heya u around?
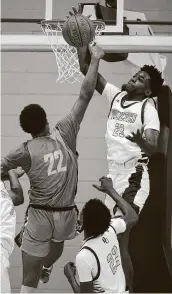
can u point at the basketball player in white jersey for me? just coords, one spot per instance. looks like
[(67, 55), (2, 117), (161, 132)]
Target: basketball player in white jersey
[(132, 136), (98, 262), (8, 222)]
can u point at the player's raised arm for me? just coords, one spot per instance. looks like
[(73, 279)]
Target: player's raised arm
[(84, 57), (89, 83), (84, 61), (130, 217)]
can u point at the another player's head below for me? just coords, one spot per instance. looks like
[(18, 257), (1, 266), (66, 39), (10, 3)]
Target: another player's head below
[(145, 83), (33, 120), (96, 218)]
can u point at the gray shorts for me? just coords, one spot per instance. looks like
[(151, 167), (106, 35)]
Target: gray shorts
[(43, 226)]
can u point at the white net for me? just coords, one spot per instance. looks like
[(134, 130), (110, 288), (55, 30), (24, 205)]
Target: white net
[(66, 55)]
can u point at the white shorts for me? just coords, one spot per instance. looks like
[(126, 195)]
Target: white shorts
[(132, 183), (5, 281)]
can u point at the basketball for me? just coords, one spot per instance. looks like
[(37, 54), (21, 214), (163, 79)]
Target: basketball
[(78, 30)]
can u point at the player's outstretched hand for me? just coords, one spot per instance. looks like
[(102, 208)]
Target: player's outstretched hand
[(96, 51), (135, 137), (70, 270), (106, 184), (76, 11), (19, 172)]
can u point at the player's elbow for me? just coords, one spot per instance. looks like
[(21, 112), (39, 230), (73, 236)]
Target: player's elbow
[(153, 149), (17, 197), (132, 219)]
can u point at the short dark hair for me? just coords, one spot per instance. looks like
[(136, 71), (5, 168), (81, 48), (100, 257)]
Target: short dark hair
[(96, 218), (33, 119), (156, 79)]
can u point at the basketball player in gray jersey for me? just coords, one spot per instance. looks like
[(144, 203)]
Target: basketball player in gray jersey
[(50, 161)]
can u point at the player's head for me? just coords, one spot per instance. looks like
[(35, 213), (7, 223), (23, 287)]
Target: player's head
[(33, 120), (145, 83), (96, 218)]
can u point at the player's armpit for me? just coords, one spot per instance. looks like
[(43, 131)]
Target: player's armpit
[(69, 128)]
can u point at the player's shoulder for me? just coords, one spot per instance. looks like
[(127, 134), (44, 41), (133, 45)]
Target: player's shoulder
[(150, 108), (118, 224), (82, 255), (22, 148), (85, 256), (150, 103)]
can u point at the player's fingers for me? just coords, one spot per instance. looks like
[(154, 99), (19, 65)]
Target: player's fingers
[(97, 187), (91, 46), (72, 264), (79, 8), (89, 15), (102, 178), (74, 10), (70, 12), (129, 138)]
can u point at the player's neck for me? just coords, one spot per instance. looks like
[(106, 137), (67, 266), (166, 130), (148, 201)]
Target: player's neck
[(87, 237), (134, 97), (42, 134)]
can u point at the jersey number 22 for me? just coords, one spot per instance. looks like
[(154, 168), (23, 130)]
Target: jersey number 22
[(51, 158)]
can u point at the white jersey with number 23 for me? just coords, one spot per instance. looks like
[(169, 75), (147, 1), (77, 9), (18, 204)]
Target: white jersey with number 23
[(125, 118)]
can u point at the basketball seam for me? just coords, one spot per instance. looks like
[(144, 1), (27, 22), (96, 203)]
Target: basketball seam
[(90, 29), (68, 31), (79, 32)]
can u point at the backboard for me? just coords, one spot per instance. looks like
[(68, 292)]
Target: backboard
[(21, 26)]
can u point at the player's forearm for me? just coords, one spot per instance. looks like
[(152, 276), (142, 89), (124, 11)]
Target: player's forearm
[(16, 188), (147, 148), (84, 61), (89, 83), (75, 286), (126, 208)]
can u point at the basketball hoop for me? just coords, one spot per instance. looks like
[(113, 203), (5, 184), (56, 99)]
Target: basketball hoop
[(66, 55)]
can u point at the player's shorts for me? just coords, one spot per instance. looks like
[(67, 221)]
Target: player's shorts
[(44, 226), (131, 181)]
